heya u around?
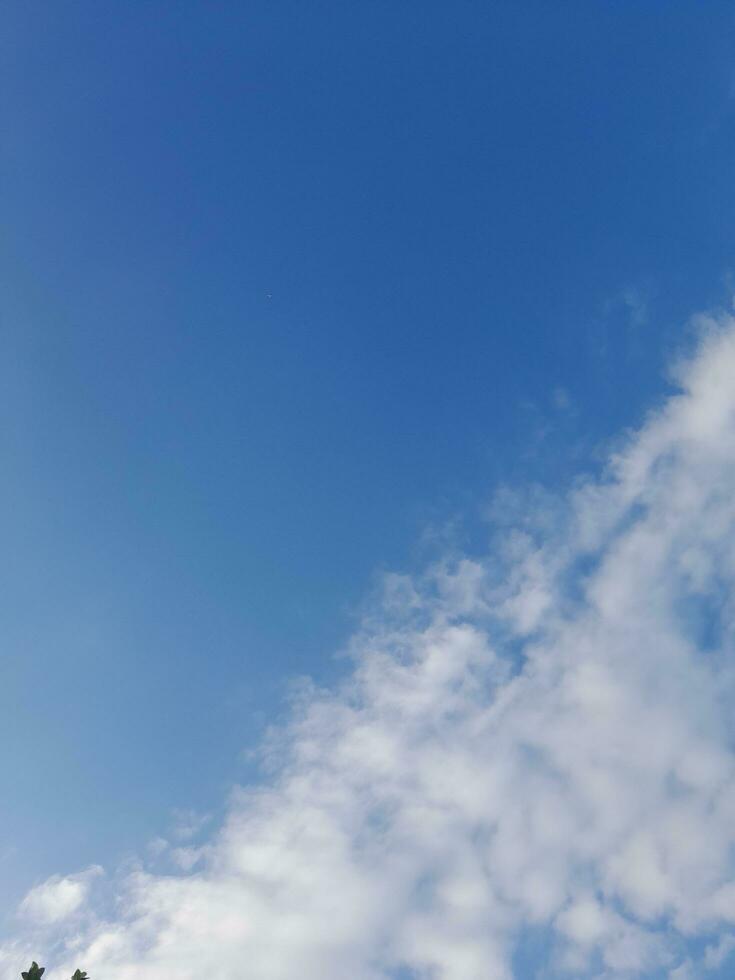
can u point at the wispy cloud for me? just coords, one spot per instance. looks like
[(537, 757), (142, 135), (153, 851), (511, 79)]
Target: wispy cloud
[(634, 301), (540, 738)]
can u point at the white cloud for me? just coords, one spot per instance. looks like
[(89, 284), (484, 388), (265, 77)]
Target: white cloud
[(188, 824), (542, 737), (716, 954), (57, 898)]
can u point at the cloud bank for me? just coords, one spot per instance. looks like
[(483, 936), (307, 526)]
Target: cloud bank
[(532, 758)]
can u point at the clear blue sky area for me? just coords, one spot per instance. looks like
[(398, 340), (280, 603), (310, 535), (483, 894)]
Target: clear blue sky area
[(283, 284)]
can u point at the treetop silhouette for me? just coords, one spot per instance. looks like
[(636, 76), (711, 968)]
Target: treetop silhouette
[(36, 972)]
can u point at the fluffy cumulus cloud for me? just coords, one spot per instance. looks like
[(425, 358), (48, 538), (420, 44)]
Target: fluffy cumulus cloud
[(58, 898), (532, 752)]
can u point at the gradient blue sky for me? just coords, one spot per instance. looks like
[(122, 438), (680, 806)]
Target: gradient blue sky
[(284, 285)]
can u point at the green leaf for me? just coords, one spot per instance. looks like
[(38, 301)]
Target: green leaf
[(35, 972), (80, 975)]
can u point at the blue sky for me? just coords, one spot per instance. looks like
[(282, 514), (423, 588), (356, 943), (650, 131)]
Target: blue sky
[(288, 290)]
